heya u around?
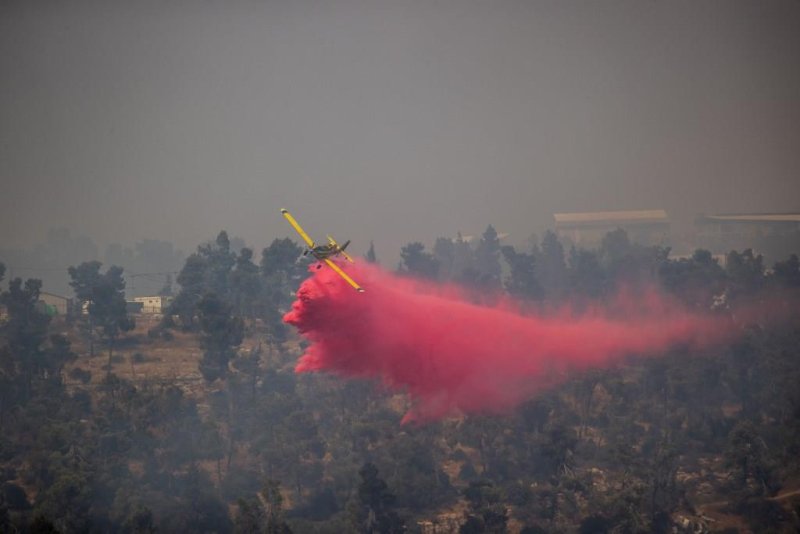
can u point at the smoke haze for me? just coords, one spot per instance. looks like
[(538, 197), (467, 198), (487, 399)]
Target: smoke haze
[(391, 121)]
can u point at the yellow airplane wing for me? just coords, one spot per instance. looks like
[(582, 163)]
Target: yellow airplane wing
[(344, 275), (296, 226)]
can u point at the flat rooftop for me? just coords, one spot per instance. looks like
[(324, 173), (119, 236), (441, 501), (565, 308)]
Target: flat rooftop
[(631, 216), (754, 217)]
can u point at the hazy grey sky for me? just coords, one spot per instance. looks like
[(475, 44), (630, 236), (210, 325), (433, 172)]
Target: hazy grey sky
[(389, 120)]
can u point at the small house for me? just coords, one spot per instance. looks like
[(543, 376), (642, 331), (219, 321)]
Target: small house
[(646, 227), (156, 304)]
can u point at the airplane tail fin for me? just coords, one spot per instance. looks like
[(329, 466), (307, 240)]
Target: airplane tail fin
[(345, 254)]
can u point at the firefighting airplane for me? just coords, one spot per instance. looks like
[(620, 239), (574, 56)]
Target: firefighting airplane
[(324, 253)]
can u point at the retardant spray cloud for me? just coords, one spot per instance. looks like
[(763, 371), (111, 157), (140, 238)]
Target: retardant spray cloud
[(452, 356)]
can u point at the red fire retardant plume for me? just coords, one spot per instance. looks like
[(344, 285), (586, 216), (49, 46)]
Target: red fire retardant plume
[(452, 356)]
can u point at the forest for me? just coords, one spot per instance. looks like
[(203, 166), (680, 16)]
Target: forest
[(689, 441)]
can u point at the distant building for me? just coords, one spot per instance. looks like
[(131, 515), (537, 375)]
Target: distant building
[(774, 234), (646, 227), (157, 304), (746, 226), (54, 304), (133, 306)]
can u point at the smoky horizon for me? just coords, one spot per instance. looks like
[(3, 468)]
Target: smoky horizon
[(388, 122)]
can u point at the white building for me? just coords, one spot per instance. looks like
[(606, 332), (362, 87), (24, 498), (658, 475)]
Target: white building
[(646, 227), (157, 304)]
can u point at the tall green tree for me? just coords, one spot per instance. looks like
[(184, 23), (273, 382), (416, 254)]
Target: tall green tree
[(695, 280), (104, 295), (416, 261), (282, 273), (24, 332), (552, 267), (629, 263), (586, 276), (273, 500), (209, 270), (746, 453), (246, 284), (371, 257), (463, 259), (487, 258), (219, 260), (522, 282), (249, 518), (487, 513), (192, 280), (786, 273), (444, 251), (376, 501), (222, 334), (745, 272), (84, 278)]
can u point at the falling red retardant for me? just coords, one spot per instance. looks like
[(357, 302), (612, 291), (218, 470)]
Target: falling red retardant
[(452, 356)]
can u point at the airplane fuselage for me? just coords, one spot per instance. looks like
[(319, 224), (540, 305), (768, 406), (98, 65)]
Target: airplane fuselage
[(322, 252)]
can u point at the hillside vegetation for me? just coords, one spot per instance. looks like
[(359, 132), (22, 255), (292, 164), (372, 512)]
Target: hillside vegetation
[(195, 421)]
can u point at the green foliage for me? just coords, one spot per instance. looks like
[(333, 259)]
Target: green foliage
[(23, 359), (417, 262), (695, 280), (786, 273), (42, 525), (444, 254), (747, 455), (622, 450), (234, 278), (192, 280), (219, 261), (14, 497), (280, 257), (246, 285), (629, 263), (81, 375), (104, 297), (745, 271), (521, 282), (67, 501), (586, 276), (250, 518), (487, 259), (463, 259), (553, 267), (370, 256), (595, 524), (139, 521), (486, 512), (417, 480), (281, 274), (222, 333), (375, 512)]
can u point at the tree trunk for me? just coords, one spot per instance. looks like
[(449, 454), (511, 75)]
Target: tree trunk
[(110, 354)]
